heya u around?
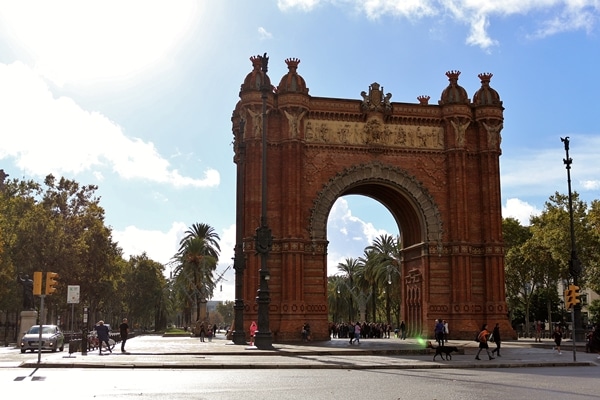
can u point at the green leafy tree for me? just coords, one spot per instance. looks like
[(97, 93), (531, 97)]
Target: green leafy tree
[(144, 297)]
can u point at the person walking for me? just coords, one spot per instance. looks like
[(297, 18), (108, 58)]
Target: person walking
[(595, 341), (497, 339), (124, 332), (103, 336), (403, 330), (357, 330), (557, 336), (439, 332), (538, 331), (483, 336), (253, 329), (446, 331)]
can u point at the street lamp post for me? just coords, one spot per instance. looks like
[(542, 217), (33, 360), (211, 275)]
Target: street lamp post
[(264, 239), (239, 262), (574, 264)]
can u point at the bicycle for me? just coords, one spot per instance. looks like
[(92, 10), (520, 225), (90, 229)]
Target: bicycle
[(94, 343)]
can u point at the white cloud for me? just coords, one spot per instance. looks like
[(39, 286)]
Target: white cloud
[(264, 34), (519, 210), (304, 5), (348, 235), (45, 134), (553, 16), (591, 185), (159, 246), (76, 41)]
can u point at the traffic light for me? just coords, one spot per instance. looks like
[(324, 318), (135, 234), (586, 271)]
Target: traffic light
[(572, 296), (51, 282), (37, 283)]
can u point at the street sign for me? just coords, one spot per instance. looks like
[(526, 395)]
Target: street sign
[(73, 294)]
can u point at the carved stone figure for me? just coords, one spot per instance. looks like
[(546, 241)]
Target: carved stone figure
[(460, 130), (494, 137)]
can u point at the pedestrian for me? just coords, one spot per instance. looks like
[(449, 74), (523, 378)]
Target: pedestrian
[(497, 340), (538, 331), (124, 331), (357, 330), (103, 336), (403, 330), (209, 334), (557, 336), (253, 329), (446, 331), (202, 331), (595, 341), (483, 336), (306, 332), (439, 332)]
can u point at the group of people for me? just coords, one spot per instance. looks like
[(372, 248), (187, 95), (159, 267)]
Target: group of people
[(441, 331), (484, 336), (201, 330), (374, 330), (103, 333)]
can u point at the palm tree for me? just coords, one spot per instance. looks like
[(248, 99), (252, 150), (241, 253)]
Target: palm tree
[(370, 272), (349, 269), (196, 262), (386, 270)]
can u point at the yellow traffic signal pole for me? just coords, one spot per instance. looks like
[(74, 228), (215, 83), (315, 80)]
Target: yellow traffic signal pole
[(42, 317)]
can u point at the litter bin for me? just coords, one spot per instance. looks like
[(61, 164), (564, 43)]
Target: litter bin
[(74, 346)]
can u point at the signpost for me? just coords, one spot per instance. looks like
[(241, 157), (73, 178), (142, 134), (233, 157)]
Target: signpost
[(72, 299)]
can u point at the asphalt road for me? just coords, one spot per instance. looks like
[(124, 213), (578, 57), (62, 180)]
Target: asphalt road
[(571, 383)]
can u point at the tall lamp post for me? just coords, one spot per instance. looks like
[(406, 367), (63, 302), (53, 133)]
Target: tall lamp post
[(264, 240), (239, 262), (574, 264)]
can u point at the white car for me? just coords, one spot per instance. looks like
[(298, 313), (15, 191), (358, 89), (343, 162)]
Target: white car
[(52, 338)]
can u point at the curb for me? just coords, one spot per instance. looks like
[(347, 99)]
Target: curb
[(348, 366)]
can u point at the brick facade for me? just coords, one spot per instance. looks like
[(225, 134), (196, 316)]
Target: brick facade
[(434, 167)]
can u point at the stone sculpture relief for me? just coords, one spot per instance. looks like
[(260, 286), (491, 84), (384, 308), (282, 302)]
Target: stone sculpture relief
[(373, 132)]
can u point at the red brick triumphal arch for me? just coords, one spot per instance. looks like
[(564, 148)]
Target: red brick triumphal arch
[(435, 167)]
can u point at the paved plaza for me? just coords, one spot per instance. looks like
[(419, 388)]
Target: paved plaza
[(153, 351)]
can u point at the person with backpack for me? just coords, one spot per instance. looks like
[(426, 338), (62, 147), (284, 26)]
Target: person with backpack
[(482, 338)]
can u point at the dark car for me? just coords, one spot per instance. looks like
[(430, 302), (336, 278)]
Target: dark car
[(52, 338)]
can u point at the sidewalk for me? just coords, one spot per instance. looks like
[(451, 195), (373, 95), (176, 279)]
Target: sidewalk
[(186, 352)]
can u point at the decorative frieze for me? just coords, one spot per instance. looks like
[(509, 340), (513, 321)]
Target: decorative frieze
[(374, 131)]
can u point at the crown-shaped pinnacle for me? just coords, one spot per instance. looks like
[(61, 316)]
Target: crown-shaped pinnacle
[(423, 100), (292, 63), (485, 77), (256, 62), (453, 76)]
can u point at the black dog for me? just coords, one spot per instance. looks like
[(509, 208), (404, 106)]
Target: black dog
[(441, 350)]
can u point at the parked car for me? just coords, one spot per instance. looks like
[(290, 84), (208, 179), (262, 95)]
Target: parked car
[(52, 338)]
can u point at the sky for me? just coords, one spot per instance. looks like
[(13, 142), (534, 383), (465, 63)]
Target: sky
[(136, 96)]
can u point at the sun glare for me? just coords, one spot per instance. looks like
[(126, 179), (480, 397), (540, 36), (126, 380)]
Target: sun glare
[(81, 42)]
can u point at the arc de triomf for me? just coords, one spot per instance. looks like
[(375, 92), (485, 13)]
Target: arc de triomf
[(435, 167)]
